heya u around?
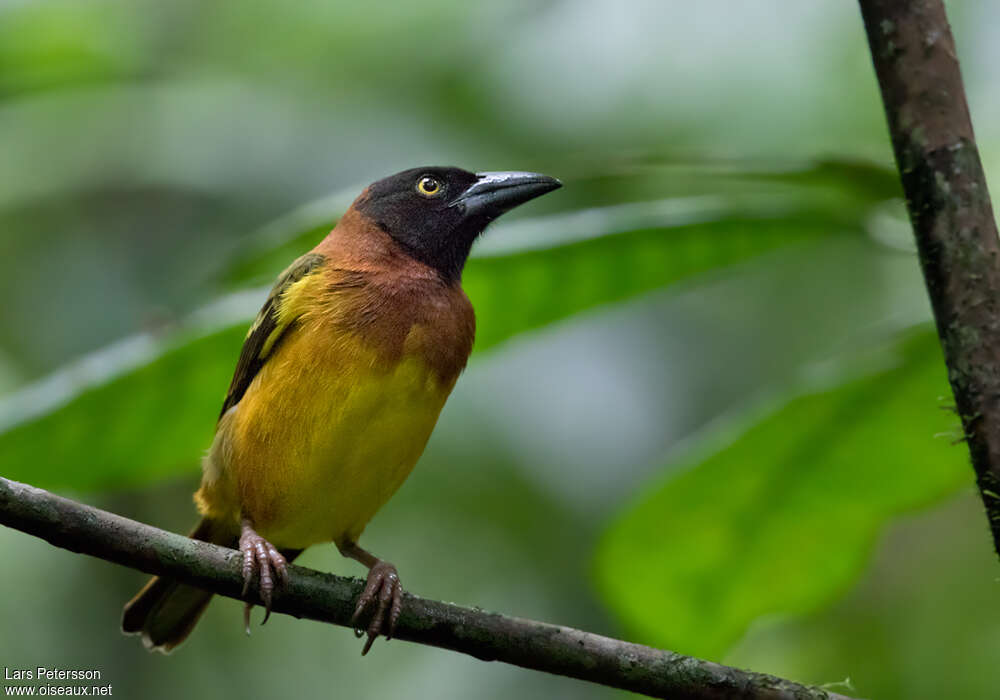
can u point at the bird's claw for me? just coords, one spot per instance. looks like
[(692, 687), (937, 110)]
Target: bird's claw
[(263, 561), (384, 592)]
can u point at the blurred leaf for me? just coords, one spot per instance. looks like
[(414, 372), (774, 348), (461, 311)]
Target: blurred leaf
[(622, 197), (149, 423), (862, 178), (526, 290), (140, 416), (140, 409), (42, 49), (782, 520)]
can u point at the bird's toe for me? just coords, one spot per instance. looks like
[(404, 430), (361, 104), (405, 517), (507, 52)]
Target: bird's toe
[(261, 561), (383, 594)]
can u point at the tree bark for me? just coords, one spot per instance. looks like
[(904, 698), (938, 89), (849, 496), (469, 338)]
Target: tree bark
[(327, 598), (949, 206)]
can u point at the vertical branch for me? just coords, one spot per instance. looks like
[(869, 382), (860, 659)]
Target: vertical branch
[(918, 72)]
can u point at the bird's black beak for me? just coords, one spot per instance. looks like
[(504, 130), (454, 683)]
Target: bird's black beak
[(494, 193)]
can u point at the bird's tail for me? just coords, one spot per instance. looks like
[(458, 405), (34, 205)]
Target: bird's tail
[(165, 611)]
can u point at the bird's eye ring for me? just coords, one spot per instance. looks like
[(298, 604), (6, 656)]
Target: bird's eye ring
[(429, 186)]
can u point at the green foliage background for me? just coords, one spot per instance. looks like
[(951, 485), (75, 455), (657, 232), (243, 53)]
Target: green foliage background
[(706, 409)]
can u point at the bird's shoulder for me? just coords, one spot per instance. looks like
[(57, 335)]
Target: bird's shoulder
[(283, 305)]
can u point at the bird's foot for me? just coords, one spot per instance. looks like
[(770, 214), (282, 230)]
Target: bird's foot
[(263, 561), (384, 594)]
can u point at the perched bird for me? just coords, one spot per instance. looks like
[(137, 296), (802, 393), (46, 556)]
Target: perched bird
[(337, 389)]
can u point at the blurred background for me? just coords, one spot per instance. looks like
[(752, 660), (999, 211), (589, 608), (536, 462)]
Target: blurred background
[(706, 410)]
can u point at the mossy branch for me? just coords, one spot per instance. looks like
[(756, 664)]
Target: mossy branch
[(328, 598), (918, 72)]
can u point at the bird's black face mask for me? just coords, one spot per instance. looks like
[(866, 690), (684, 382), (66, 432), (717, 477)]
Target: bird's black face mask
[(436, 213)]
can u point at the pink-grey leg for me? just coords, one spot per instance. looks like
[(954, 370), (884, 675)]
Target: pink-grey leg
[(383, 593), (261, 560)]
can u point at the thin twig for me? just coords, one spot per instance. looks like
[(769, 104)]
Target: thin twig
[(327, 598), (918, 72)]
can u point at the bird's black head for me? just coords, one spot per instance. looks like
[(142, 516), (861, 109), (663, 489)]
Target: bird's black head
[(436, 213)]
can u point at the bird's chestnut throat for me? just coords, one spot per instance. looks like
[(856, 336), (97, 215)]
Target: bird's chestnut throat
[(442, 243)]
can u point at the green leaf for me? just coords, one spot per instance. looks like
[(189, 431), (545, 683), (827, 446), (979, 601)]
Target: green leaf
[(529, 289), (626, 198), (782, 520), (151, 421), (138, 417)]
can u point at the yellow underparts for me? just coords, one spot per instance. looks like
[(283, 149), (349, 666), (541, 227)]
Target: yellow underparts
[(325, 434)]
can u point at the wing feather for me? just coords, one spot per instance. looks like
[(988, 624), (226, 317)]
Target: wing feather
[(267, 330)]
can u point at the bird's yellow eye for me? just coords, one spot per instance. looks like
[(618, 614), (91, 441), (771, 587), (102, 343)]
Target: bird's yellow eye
[(428, 186)]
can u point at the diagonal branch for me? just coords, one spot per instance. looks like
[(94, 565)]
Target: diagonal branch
[(918, 73), (327, 598)]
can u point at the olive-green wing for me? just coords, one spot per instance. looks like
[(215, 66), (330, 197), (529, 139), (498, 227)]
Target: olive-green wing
[(267, 330)]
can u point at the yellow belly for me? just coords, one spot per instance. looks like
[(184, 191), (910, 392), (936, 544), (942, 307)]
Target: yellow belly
[(324, 435)]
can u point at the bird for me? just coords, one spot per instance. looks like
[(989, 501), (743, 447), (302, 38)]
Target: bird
[(338, 386)]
